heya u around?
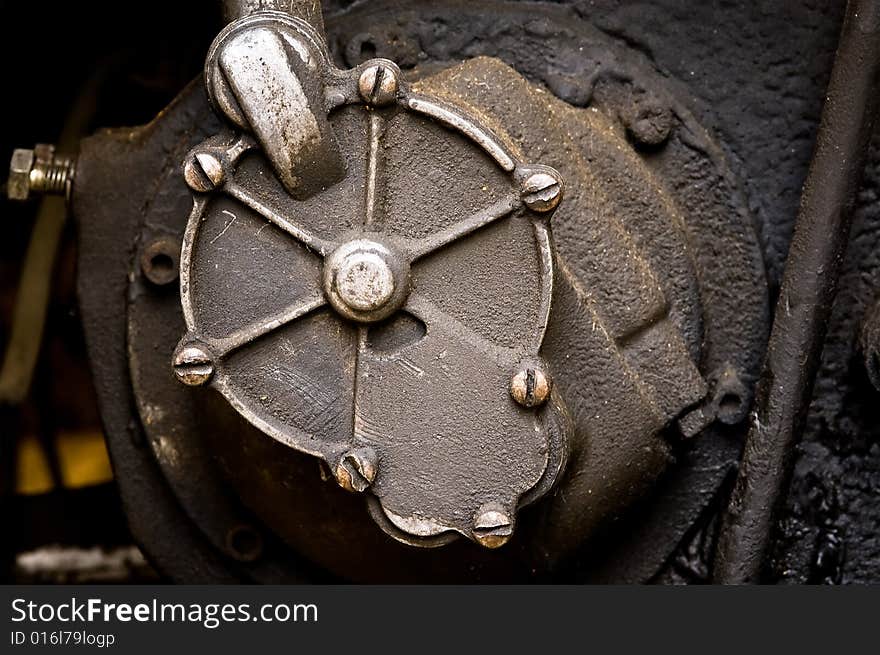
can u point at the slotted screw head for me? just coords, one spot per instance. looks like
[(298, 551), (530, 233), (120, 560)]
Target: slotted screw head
[(378, 84), (542, 190), (493, 526), (357, 469), (193, 365), (203, 172), (530, 387)]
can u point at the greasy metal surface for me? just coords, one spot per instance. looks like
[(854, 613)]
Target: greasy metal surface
[(588, 69), (650, 251), (808, 289), (423, 420)]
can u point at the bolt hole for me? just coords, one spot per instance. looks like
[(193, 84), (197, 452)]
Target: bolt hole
[(159, 261), (368, 51), (730, 408), (162, 264), (361, 48), (244, 543)]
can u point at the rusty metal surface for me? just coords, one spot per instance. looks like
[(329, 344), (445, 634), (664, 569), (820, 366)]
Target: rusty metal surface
[(641, 317)]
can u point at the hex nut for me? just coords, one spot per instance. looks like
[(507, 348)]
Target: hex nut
[(18, 186)]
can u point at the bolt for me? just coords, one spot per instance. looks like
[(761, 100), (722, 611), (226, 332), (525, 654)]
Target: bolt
[(493, 526), (542, 190), (357, 469), (378, 83), (530, 387), (203, 172), (193, 364), (159, 261), (364, 281), (39, 171)]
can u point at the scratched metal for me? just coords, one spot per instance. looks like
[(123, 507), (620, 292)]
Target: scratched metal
[(428, 425), (645, 242)]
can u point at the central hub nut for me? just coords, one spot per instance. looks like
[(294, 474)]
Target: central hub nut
[(365, 280)]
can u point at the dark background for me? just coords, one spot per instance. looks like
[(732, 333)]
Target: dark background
[(119, 64)]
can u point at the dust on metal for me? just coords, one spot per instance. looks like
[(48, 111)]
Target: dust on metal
[(366, 278), (160, 260)]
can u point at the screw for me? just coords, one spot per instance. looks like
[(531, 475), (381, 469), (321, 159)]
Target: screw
[(493, 526), (530, 387), (542, 190), (159, 261), (357, 469), (193, 364), (365, 281), (378, 83), (39, 171), (203, 172)]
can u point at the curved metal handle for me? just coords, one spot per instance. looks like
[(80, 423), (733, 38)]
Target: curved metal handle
[(264, 73)]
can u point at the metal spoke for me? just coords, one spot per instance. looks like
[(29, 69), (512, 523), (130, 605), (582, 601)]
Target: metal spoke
[(374, 165), (321, 246), (223, 347), (422, 247)]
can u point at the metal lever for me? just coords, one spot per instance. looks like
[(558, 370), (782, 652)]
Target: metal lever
[(263, 74)]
